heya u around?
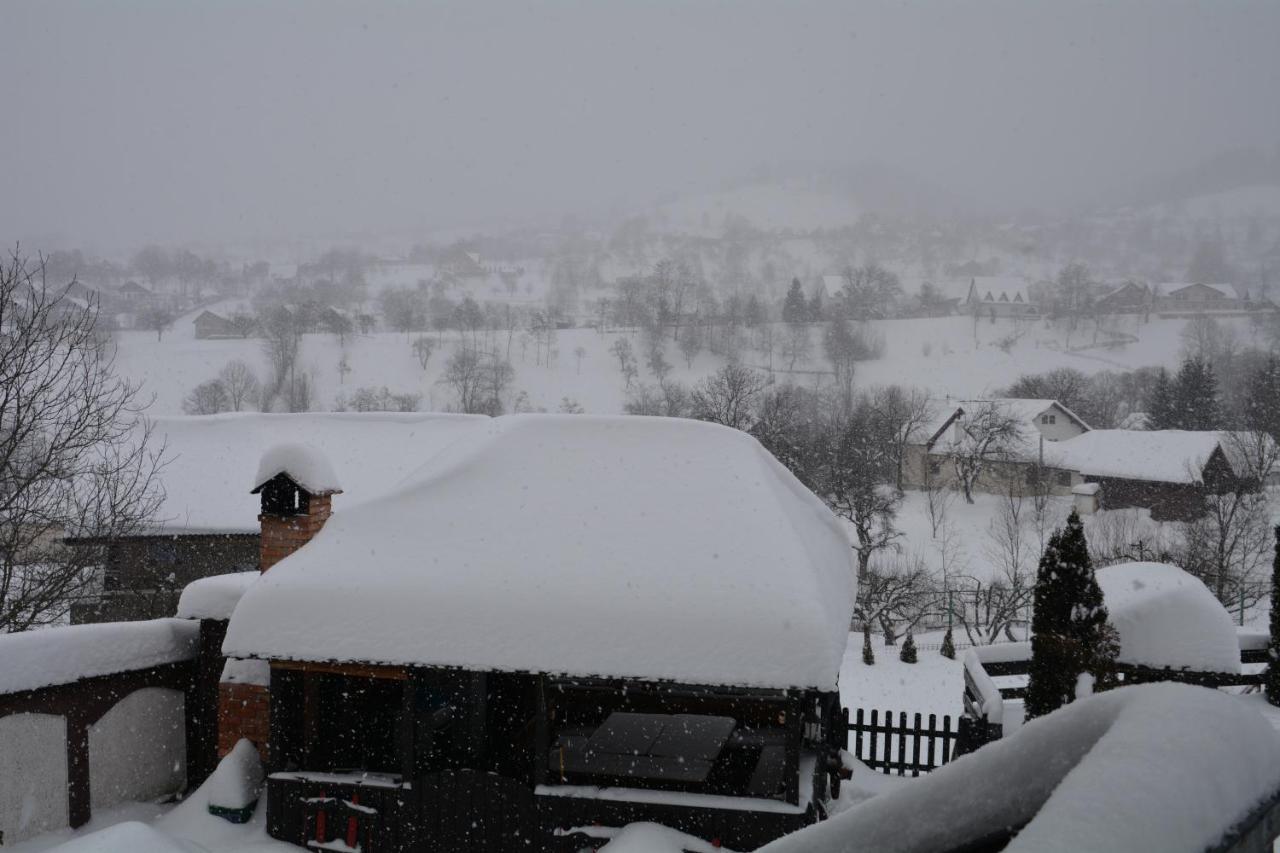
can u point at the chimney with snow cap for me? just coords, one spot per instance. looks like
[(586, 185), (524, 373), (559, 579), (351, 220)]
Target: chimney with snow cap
[(297, 483)]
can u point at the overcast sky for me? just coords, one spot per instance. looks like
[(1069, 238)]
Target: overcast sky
[(135, 122)]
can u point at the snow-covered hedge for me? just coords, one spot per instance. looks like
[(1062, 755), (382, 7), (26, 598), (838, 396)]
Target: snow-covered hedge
[(1168, 618)]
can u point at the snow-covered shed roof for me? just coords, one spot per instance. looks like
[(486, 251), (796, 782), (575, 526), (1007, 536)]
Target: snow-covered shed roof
[(302, 463), (648, 548), (63, 655), (1228, 291), (214, 597), (1168, 618), (1163, 456), (212, 460)]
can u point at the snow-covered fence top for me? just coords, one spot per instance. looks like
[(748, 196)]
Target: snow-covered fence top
[(213, 460), (647, 548), (990, 702), (214, 597), (35, 659)]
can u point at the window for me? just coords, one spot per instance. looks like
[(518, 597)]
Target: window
[(1064, 478), (1048, 419)]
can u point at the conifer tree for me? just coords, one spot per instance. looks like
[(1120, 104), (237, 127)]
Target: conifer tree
[(868, 654), (1068, 624), (1273, 648), (795, 309), (948, 645), (1195, 397), (1160, 414), (907, 654), (1262, 402)]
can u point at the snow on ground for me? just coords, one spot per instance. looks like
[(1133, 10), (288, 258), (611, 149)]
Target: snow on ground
[(933, 685), (949, 356)]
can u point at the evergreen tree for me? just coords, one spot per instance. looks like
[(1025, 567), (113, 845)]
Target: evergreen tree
[(868, 655), (1160, 414), (1262, 400), (948, 645), (815, 308), (1195, 397), (908, 652), (1273, 649), (1068, 624), (794, 308)]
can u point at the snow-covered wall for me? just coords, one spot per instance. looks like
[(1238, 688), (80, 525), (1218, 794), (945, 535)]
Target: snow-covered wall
[(33, 775), (137, 751)]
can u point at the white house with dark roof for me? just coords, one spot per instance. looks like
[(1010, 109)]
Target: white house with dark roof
[(992, 297)]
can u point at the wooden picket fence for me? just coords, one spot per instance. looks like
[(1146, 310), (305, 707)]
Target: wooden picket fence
[(903, 748)]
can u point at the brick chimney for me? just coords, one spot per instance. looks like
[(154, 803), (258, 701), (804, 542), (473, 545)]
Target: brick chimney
[(297, 487)]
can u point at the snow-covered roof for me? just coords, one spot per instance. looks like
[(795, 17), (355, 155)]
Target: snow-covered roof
[(991, 288), (831, 286), (1228, 291), (1164, 767), (1168, 618), (212, 460), (1164, 456), (1025, 411), (35, 659), (302, 463), (638, 547), (214, 597)]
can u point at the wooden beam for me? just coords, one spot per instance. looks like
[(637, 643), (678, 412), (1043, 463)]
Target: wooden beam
[(351, 670)]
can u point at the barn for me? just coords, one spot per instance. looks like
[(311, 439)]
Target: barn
[(562, 621)]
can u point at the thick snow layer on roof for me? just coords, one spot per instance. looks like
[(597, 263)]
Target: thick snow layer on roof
[(37, 659), (1166, 617), (614, 546), (1166, 456), (302, 463), (212, 460), (1152, 767), (214, 597)]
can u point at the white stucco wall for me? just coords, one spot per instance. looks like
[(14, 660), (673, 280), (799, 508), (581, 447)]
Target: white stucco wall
[(33, 775)]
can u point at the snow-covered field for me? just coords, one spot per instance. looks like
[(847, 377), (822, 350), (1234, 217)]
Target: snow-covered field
[(949, 356)]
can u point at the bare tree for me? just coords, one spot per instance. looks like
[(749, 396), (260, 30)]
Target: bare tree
[(77, 460), (903, 414), (1230, 545), (579, 353), (241, 384), (207, 398), (478, 379), (423, 347), (797, 346), (729, 396), (895, 597), (625, 353), (939, 494), (986, 433), (158, 320)]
